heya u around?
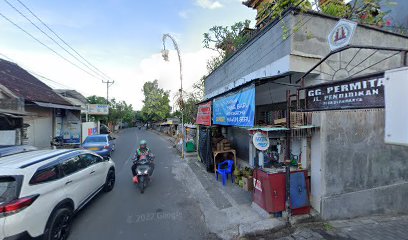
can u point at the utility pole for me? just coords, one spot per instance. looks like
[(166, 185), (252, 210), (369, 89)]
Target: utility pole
[(108, 84)]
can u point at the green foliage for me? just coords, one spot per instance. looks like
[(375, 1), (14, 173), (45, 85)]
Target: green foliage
[(274, 10), (363, 11), (156, 103), (225, 40), (118, 111), (96, 100), (188, 106), (139, 117), (199, 88)]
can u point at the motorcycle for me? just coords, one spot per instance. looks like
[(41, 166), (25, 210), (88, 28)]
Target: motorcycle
[(144, 170)]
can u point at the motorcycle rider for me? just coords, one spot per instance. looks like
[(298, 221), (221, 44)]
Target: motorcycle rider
[(143, 150)]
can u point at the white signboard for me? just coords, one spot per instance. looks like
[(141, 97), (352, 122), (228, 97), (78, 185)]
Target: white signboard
[(261, 141), (98, 109), (396, 111), (341, 34)]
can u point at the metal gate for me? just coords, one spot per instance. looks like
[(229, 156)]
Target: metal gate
[(205, 149)]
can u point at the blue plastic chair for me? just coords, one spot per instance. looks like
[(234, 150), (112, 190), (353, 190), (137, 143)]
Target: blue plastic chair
[(225, 171)]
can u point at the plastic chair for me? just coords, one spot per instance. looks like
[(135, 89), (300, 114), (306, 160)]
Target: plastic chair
[(225, 171)]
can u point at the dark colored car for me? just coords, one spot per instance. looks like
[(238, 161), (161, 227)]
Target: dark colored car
[(102, 144), (104, 129)]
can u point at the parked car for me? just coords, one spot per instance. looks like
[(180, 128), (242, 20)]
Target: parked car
[(102, 144), (40, 191), (6, 150)]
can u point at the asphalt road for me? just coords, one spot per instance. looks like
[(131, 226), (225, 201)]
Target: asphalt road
[(164, 211)]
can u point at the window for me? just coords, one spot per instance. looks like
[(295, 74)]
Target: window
[(8, 189), (46, 174), (99, 139), (73, 165), (90, 159)]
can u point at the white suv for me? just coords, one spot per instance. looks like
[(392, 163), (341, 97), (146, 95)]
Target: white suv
[(40, 191)]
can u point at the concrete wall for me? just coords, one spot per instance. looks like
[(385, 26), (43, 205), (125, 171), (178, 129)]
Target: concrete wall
[(270, 54), (361, 174), (256, 54), (310, 43)]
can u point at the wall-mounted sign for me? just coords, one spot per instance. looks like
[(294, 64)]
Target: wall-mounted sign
[(235, 110), (341, 34), (260, 141), (356, 93), (204, 114), (98, 109)]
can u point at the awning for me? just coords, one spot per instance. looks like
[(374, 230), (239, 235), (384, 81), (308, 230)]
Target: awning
[(52, 105), (269, 129), (274, 129)]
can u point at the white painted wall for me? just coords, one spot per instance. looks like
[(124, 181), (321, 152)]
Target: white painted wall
[(40, 131), (87, 127), (8, 137)]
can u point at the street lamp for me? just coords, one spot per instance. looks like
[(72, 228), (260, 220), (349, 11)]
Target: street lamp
[(165, 54)]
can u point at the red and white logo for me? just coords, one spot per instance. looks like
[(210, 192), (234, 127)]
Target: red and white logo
[(341, 34), (258, 184)]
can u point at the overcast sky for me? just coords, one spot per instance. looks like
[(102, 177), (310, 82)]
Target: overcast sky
[(123, 38)]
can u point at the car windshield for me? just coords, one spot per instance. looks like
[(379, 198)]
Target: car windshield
[(99, 139)]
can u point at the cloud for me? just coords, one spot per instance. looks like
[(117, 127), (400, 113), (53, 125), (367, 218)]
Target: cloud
[(167, 74), (209, 4), (183, 14)]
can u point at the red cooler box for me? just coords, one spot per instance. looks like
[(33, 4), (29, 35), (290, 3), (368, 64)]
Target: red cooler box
[(269, 191)]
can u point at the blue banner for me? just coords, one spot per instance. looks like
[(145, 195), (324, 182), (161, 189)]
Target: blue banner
[(235, 110)]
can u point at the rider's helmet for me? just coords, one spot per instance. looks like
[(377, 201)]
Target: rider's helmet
[(143, 144)]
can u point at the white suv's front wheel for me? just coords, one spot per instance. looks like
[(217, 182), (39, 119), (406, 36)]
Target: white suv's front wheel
[(110, 181), (59, 225)]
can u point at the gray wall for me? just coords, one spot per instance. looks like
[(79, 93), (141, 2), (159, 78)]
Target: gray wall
[(310, 42), (256, 54), (361, 174), (306, 47)]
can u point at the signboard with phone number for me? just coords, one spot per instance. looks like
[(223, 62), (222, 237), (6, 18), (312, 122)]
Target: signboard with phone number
[(235, 110)]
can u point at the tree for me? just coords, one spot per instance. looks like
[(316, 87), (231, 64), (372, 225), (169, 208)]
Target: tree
[(225, 40), (96, 100), (118, 111), (271, 10), (363, 11), (139, 117), (199, 88), (156, 103), (121, 112)]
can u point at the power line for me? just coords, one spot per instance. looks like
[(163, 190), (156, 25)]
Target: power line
[(33, 73), (52, 39), (108, 84), (45, 45), (62, 40)]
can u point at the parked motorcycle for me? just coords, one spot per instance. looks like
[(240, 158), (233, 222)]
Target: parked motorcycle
[(57, 142), (144, 170)]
